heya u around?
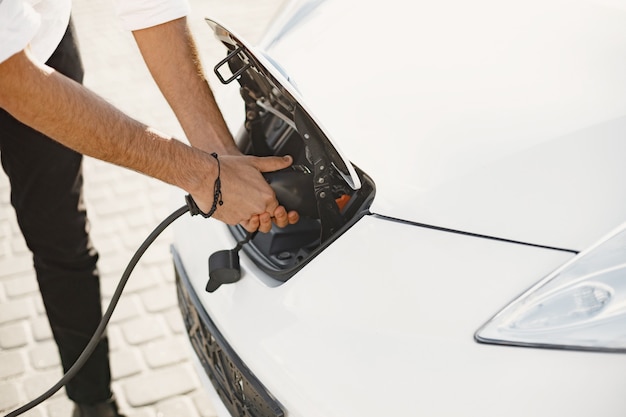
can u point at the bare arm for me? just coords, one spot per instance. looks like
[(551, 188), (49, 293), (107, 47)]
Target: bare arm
[(76, 117), (170, 53), (171, 56)]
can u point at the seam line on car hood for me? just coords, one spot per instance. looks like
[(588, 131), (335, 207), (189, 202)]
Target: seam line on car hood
[(466, 233)]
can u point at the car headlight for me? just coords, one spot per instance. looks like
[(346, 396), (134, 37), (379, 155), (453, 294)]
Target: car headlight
[(582, 305)]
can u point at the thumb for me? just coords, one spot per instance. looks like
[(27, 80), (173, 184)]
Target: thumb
[(273, 163)]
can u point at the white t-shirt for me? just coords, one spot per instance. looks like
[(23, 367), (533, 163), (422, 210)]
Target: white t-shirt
[(42, 23)]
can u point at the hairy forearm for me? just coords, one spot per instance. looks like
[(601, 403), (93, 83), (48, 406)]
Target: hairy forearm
[(69, 113), (76, 117), (178, 73)]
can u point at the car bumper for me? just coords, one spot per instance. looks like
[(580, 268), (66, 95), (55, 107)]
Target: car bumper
[(382, 323), (239, 390)]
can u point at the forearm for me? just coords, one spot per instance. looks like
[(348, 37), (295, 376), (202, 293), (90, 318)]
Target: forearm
[(178, 73), (71, 114), (76, 117)]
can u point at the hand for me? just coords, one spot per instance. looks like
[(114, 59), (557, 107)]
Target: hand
[(263, 222), (247, 197)]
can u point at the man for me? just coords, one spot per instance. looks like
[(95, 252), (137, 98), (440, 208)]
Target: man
[(42, 101)]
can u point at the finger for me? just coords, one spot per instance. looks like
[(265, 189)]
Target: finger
[(251, 225), (293, 217), (272, 163), (271, 206), (265, 222), (280, 217)]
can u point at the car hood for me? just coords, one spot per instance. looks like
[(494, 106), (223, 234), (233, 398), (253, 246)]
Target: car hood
[(507, 120)]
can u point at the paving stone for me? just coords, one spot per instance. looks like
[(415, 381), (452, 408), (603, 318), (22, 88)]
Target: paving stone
[(39, 382), (111, 227), (4, 200), (140, 279), (132, 241), (4, 247), (18, 246), (175, 320), (11, 364), (34, 412), (126, 308), (59, 407), (132, 187), (112, 267), (144, 277), (40, 327), (176, 407), (15, 230), (168, 272), (15, 265), (116, 340), (21, 285), (9, 396), (203, 404), (141, 412), (5, 188), (164, 352), (5, 223), (108, 285), (142, 330), (39, 307), (116, 207), (141, 218), (44, 356), (159, 251), (159, 299), (164, 199), (106, 245), (13, 335), (13, 310), (159, 385), (125, 363)]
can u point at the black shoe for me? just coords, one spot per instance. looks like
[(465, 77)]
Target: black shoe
[(104, 409)]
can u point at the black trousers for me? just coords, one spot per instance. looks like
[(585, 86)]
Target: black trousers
[(46, 192)]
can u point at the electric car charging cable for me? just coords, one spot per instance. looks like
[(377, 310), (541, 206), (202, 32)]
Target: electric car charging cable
[(93, 342), (191, 207), (225, 274)]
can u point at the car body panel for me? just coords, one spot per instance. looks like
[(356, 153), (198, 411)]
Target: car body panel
[(494, 133), (404, 328), (499, 118)]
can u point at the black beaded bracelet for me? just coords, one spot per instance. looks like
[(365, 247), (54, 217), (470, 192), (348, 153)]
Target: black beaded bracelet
[(217, 195), (217, 189)]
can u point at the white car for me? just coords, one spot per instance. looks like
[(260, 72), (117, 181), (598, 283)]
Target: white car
[(460, 170)]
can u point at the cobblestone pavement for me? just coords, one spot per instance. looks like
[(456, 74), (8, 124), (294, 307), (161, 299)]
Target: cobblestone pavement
[(150, 361)]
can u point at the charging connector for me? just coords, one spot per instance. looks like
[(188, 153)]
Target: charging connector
[(224, 265)]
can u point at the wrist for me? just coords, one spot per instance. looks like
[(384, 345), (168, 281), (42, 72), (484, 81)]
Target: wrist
[(217, 195), (197, 174)]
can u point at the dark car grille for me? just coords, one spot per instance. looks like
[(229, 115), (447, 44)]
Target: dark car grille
[(241, 392)]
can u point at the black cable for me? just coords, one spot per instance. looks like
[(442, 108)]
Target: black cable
[(95, 339)]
